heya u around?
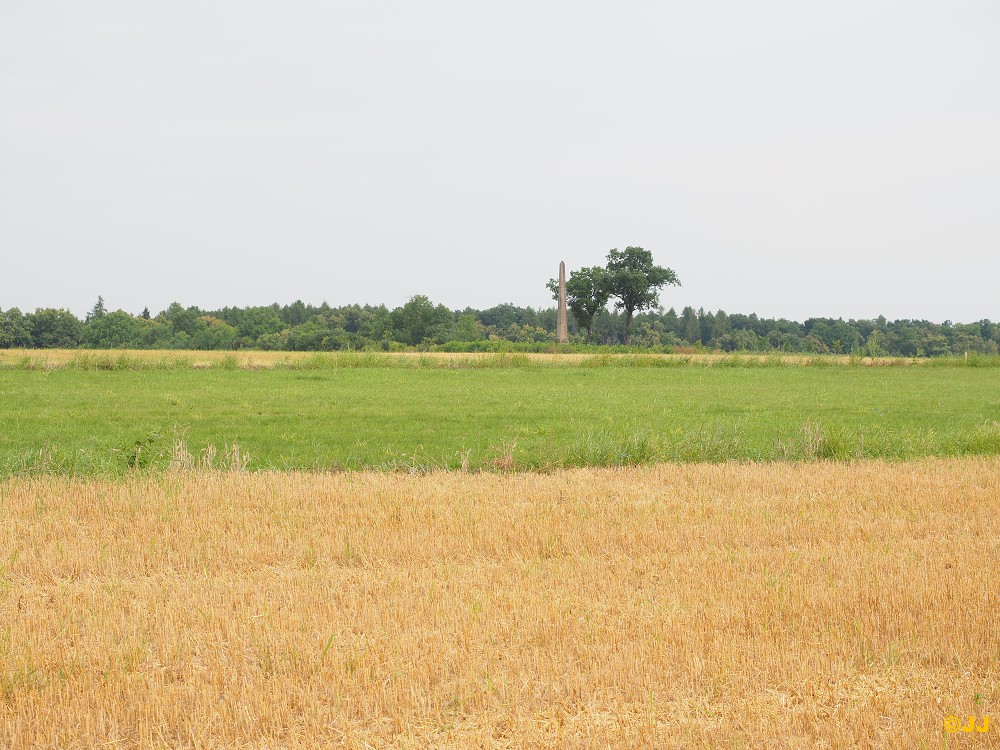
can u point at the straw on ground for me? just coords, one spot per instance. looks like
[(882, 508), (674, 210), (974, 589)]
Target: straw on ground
[(736, 605)]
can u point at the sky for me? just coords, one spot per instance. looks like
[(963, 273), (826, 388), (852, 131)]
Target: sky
[(785, 158)]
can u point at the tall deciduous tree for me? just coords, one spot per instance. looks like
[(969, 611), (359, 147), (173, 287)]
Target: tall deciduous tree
[(54, 328), (635, 282), (113, 330), (419, 320), (15, 329), (586, 295)]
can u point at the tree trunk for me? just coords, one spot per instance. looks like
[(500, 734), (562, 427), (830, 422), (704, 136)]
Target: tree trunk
[(589, 329), (628, 327)]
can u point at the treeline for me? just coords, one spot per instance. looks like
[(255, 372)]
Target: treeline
[(420, 324)]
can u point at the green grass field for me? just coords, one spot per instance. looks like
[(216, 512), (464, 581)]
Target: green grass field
[(108, 422)]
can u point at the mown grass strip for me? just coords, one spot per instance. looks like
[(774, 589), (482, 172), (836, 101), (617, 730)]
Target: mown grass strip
[(111, 422)]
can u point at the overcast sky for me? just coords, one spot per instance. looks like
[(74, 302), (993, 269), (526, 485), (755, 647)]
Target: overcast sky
[(787, 158)]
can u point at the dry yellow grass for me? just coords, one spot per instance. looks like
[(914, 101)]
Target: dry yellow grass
[(799, 606), (263, 360)]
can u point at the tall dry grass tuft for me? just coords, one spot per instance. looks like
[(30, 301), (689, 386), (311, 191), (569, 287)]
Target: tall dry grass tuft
[(232, 459), (723, 606), (504, 460), (181, 458)]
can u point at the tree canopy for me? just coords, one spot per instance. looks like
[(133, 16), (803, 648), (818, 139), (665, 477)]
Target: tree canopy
[(422, 324), (630, 277), (635, 282)]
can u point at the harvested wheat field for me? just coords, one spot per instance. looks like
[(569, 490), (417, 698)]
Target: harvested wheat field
[(734, 605)]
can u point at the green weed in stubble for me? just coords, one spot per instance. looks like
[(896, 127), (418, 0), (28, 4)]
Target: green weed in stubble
[(19, 680), (326, 648)]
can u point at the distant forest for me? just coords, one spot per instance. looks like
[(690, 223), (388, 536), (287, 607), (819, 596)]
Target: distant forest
[(422, 325)]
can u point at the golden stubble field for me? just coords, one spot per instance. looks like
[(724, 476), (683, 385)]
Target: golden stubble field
[(738, 605)]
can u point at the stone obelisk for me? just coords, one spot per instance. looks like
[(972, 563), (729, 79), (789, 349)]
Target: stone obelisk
[(562, 330)]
